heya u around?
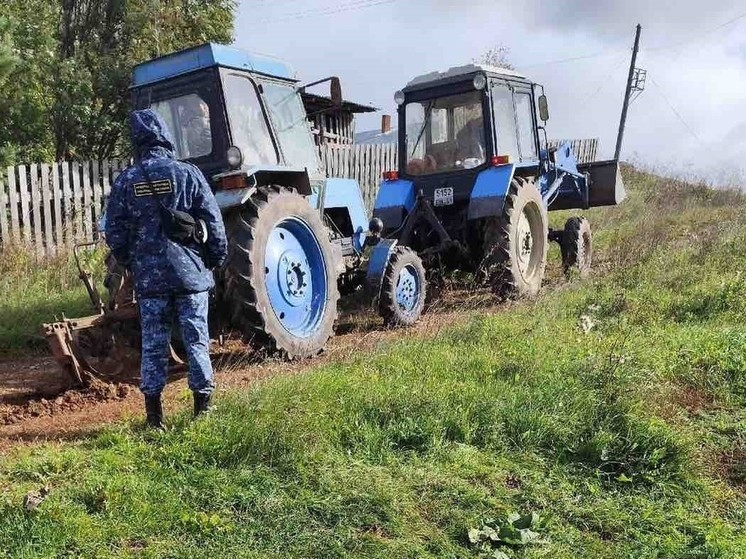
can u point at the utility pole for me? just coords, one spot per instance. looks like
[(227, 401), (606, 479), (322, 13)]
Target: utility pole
[(635, 83)]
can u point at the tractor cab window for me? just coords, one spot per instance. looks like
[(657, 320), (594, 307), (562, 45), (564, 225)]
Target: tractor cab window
[(188, 119), (526, 128), (290, 124), (505, 128), (445, 134), (248, 125)]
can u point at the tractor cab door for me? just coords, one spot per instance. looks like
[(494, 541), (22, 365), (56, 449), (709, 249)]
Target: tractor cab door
[(514, 122)]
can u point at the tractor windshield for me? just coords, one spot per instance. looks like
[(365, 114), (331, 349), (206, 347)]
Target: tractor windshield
[(445, 134), (249, 130), (291, 127)]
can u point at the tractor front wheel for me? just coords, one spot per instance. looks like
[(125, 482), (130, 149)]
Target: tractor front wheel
[(515, 244), (403, 290), (577, 246)]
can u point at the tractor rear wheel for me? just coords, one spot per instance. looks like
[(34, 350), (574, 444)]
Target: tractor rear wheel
[(281, 273), (403, 289), (515, 244), (577, 246)]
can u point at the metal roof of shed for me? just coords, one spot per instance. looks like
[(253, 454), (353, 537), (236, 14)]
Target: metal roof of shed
[(315, 103), (205, 56)]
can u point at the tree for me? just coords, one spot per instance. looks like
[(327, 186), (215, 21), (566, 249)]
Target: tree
[(68, 93), (7, 58), (496, 56)]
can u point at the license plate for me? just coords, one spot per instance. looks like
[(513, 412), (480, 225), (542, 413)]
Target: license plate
[(443, 196)]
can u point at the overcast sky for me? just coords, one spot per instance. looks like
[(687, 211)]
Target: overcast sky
[(691, 117)]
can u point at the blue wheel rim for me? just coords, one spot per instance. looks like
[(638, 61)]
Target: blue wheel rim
[(408, 289), (296, 277)]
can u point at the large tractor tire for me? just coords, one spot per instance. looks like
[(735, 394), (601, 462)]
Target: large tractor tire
[(403, 289), (280, 276), (577, 246), (515, 244)]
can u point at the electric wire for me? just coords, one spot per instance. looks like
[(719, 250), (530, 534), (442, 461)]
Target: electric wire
[(696, 37), (678, 114), (572, 59), (330, 10), (604, 81)]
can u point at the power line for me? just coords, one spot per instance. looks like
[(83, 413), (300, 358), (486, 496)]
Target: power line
[(648, 49), (605, 81), (573, 59), (351, 6), (677, 114), (698, 36)]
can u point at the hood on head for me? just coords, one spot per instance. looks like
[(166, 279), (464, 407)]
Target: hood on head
[(149, 131)]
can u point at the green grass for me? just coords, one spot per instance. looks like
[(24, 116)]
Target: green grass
[(613, 408), (35, 291)]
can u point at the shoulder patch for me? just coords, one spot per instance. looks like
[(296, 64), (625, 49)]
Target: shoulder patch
[(155, 188)]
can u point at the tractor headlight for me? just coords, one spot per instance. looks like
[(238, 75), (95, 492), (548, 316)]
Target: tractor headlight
[(399, 97), (234, 157), (480, 81)]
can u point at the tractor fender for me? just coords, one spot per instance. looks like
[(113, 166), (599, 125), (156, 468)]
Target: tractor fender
[(377, 264), (257, 176), (395, 199), (343, 204), (488, 195)]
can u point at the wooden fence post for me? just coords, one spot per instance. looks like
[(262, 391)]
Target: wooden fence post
[(15, 224), (57, 196), (24, 195), (4, 231), (35, 214), (46, 197)]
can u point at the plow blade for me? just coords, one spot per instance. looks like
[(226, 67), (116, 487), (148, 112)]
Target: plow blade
[(94, 346), (104, 347)]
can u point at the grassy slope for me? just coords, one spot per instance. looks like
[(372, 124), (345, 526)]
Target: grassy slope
[(33, 293), (629, 438)]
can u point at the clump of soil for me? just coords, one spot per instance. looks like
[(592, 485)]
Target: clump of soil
[(72, 400)]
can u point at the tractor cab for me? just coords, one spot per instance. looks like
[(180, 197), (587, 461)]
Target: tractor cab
[(229, 110), (240, 118), (461, 120)]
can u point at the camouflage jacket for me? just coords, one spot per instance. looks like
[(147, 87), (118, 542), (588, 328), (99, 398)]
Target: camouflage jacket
[(134, 230)]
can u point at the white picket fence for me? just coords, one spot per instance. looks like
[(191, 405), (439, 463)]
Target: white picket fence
[(48, 207)]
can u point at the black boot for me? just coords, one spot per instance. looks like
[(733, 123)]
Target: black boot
[(201, 403), (154, 412)]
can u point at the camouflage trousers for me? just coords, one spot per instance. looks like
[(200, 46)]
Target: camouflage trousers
[(157, 315)]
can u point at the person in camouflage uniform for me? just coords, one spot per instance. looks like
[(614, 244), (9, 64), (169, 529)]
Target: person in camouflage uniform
[(171, 279)]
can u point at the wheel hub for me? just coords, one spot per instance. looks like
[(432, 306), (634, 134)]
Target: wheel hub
[(407, 289), (295, 277), (525, 241)]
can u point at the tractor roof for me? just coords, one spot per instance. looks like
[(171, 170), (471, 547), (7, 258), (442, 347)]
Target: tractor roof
[(458, 73), (205, 56)]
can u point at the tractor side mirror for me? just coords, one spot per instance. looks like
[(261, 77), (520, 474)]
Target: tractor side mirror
[(336, 91), (543, 108)]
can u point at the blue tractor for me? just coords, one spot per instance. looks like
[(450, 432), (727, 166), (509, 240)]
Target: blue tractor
[(296, 238), (476, 179)]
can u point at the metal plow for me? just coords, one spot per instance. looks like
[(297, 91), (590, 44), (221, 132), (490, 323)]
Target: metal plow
[(104, 346)]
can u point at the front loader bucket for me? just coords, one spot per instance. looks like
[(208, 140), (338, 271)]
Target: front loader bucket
[(606, 186)]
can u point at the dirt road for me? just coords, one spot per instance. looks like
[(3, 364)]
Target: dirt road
[(37, 403)]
